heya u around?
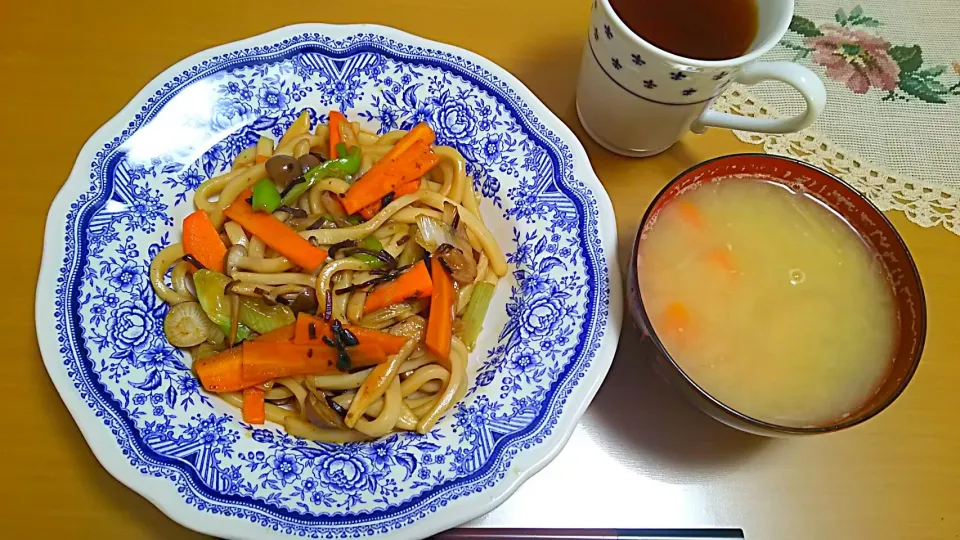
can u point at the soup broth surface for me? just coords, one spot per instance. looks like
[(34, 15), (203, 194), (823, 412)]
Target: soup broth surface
[(769, 301)]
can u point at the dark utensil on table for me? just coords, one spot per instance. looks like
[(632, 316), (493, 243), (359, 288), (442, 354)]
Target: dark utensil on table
[(592, 534)]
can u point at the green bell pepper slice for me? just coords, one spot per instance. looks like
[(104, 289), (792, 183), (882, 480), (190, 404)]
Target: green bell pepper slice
[(266, 198), (347, 165), (372, 244)]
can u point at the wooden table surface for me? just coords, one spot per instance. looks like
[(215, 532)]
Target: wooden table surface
[(69, 67)]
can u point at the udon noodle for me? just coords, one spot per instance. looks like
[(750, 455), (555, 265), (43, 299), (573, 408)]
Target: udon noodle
[(436, 222)]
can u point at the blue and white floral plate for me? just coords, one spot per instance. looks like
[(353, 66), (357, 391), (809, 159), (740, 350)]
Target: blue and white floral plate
[(546, 346)]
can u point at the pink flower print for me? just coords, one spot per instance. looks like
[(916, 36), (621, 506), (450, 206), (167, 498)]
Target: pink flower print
[(855, 58)]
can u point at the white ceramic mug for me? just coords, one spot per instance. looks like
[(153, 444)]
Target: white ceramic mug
[(637, 100)]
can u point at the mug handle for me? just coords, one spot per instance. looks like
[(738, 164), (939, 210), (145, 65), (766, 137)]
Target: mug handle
[(805, 81)]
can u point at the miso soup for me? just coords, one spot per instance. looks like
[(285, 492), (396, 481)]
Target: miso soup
[(769, 301)]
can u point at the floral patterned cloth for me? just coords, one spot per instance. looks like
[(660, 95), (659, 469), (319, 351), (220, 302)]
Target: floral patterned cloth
[(892, 72)]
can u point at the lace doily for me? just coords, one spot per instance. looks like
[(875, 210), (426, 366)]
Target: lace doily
[(925, 204)]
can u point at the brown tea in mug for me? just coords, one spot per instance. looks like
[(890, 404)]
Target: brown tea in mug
[(700, 29)]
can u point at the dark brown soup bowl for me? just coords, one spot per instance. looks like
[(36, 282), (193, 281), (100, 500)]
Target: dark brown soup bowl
[(863, 216)]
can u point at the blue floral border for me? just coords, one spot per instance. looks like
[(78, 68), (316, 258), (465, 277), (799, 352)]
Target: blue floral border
[(146, 461)]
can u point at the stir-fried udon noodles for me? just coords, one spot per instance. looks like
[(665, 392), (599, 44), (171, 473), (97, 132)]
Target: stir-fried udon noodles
[(334, 282)]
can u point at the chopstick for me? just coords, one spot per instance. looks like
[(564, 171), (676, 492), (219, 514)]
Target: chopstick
[(592, 534)]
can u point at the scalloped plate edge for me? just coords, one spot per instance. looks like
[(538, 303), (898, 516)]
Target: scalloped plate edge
[(162, 493)]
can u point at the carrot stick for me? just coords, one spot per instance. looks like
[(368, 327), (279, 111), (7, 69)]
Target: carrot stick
[(408, 160), (336, 136), (386, 175), (284, 334), (254, 406), (390, 343), (201, 239), (262, 361), (407, 188), (303, 335), (440, 323), (403, 189), (412, 284), (275, 234), (223, 372), (421, 133), (256, 362)]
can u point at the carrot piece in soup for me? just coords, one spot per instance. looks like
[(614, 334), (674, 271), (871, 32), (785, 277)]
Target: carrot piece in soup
[(676, 320), (691, 215), (723, 259)]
